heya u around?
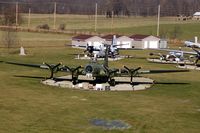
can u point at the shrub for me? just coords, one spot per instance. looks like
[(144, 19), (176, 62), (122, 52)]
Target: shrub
[(61, 27), (43, 26)]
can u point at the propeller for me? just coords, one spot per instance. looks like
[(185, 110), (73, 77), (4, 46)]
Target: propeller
[(197, 56), (110, 72), (90, 50), (53, 68), (74, 73), (132, 72)]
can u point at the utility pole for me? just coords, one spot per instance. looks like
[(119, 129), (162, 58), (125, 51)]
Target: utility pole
[(16, 21), (95, 25), (112, 21), (29, 17), (54, 16), (158, 23)]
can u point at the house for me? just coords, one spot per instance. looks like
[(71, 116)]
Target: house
[(108, 38), (196, 16), (122, 41), (84, 40), (147, 41)]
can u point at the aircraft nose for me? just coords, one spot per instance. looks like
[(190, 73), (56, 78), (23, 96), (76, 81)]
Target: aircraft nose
[(88, 69)]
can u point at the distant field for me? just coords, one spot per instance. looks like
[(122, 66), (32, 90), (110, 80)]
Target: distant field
[(28, 39), (28, 106), (122, 25)]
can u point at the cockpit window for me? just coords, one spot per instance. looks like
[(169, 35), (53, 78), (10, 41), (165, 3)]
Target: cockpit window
[(88, 69)]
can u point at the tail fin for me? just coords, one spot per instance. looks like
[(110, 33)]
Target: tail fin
[(114, 41), (106, 57)]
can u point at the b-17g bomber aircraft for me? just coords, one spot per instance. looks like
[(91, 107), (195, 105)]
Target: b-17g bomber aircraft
[(101, 73)]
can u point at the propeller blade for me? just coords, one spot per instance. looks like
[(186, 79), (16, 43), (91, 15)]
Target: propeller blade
[(77, 68), (56, 66), (198, 52), (136, 69), (72, 70), (196, 61), (127, 68), (133, 72), (53, 69)]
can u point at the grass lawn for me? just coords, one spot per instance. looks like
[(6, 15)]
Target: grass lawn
[(28, 106)]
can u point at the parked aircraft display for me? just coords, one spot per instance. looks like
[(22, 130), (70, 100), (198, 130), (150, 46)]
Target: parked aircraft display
[(192, 44), (195, 54), (101, 73), (94, 51), (171, 56)]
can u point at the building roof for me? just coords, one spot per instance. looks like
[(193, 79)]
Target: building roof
[(110, 36), (138, 36), (196, 14), (81, 37)]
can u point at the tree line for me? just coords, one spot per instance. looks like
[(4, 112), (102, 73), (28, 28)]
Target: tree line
[(107, 7)]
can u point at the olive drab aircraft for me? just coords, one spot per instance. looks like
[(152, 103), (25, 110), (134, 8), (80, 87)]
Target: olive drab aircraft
[(101, 73)]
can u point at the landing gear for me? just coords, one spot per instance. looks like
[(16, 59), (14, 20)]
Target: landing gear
[(74, 80), (112, 82)]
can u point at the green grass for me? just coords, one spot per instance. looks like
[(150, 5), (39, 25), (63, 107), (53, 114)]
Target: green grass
[(28, 106)]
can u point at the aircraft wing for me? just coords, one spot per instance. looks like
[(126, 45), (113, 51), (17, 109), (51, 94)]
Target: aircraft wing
[(43, 66), (160, 71), (136, 72), (52, 67), (177, 51), (129, 49)]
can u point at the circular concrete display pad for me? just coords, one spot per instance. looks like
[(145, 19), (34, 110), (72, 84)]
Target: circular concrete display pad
[(104, 86), (110, 59), (186, 62), (191, 67)]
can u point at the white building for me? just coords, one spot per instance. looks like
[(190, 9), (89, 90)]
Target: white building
[(122, 41), (84, 40), (196, 16), (147, 42)]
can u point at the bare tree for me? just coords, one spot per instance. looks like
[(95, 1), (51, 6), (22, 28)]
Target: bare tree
[(10, 38), (177, 31), (9, 15)]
